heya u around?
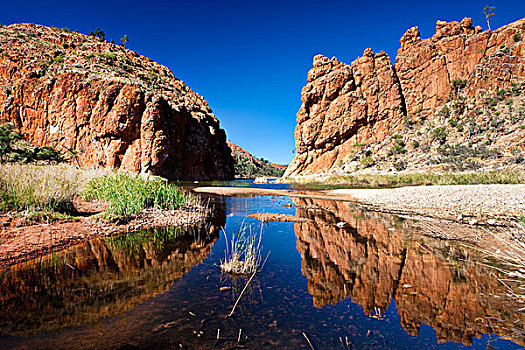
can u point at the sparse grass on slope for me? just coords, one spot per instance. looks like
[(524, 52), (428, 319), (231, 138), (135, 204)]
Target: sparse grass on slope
[(128, 194), (400, 180)]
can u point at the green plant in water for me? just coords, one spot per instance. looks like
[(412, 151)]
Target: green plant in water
[(243, 252)]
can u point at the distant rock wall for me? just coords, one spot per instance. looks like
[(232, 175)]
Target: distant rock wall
[(106, 106), (346, 106), (247, 166)]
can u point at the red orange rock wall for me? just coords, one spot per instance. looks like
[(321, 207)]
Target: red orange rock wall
[(107, 105), (363, 102)]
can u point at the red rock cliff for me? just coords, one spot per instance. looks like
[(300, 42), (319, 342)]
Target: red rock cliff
[(350, 113), (107, 105)]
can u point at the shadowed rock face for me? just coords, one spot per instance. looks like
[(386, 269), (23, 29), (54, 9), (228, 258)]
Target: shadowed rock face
[(107, 105), (347, 106), (97, 279), (372, 261)]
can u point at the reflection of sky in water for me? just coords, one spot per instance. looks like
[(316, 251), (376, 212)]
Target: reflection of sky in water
[(280, 306)]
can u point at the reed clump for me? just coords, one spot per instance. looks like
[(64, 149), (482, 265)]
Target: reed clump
[(127, 194), (243, 252)]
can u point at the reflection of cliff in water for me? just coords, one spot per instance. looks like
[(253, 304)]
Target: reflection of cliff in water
[(98, 278), (372, 259)]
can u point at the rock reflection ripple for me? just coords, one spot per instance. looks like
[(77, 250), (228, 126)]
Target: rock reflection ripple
[(374, 258)]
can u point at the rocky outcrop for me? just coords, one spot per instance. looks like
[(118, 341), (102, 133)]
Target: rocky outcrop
[(373, 258), (107, 106), (343, 105), (350, 113), (484, 62)]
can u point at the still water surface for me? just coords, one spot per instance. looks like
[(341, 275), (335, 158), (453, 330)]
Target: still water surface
[(372, 283)]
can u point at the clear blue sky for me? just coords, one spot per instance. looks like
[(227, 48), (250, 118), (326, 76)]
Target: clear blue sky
[(249, 58)]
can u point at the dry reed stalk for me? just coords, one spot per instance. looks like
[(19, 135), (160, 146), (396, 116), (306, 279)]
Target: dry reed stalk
[(41, 187), (511, 255)]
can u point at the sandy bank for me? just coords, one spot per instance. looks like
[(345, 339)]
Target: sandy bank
[(464, 203)]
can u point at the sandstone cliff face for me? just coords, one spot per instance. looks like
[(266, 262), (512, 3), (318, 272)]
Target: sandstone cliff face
[(107, 106), (342, 103), (357, 116)]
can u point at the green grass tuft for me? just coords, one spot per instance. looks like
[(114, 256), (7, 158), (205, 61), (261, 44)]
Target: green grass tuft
[(243, 252), (127, 194)]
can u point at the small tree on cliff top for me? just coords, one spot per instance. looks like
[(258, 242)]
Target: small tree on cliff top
[(488, 12), (124, 40)]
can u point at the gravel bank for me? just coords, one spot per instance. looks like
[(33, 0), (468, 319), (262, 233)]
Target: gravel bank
[(465, 203)]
